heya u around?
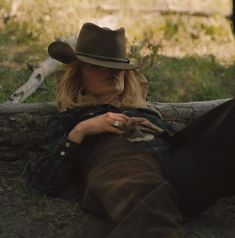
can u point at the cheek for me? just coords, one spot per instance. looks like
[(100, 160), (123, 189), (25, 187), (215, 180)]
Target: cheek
[(89, 81), (95, 86), (87, 84), (92, 87)]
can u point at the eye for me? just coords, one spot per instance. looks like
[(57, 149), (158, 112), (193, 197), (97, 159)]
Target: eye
[(116, 71)]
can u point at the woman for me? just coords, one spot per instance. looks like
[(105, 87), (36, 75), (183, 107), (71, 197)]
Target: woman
[(137, 174)]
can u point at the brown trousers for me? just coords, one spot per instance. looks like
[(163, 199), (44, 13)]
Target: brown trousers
[(126, 188), (202, 170)]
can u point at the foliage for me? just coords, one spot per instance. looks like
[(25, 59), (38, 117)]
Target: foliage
[(191, 78), (182, 55)]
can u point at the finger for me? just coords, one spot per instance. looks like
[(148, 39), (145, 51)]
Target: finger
[(111, 121), (151, 125), (120, 115), (148, 123), (118, 118), (123, 120), (138, 119), (115, 130)]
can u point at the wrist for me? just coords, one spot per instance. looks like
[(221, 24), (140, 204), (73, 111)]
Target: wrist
[(76, 135)]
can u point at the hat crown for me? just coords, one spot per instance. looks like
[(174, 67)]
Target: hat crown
[(104, 42)]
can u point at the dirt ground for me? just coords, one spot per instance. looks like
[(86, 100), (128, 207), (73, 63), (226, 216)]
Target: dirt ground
[(25, 215)]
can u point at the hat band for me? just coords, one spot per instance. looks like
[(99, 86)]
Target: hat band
[(122, 60)]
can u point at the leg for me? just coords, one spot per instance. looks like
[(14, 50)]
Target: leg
[(156, 215), (126, 187), (203, 169)]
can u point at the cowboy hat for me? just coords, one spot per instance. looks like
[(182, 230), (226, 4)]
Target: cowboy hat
[(95, 45)]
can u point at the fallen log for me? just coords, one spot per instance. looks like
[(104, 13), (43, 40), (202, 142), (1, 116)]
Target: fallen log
[(22, 125)]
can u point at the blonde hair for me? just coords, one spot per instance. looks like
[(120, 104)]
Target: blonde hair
[(70, 95)]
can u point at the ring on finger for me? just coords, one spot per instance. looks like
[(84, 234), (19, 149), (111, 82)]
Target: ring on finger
[(117, 124)]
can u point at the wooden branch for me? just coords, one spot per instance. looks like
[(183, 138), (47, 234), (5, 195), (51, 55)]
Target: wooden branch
[(38, 76), (35, 80)]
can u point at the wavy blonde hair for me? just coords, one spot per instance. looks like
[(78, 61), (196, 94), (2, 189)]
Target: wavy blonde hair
[(70, 95)]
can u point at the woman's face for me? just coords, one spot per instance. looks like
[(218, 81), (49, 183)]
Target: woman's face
[(100, 81)]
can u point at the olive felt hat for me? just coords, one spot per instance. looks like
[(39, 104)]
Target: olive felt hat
[(95, 45)]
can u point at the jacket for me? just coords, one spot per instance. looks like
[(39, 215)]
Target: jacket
[(52, 173)]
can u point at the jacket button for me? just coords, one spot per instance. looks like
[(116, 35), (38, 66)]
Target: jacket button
[(67, 144), (62, 153)]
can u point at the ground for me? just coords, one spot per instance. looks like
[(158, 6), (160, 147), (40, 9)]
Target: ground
[(25, 215)]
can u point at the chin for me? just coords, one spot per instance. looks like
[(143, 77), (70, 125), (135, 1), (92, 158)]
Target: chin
[(114, 90), (109, 90)]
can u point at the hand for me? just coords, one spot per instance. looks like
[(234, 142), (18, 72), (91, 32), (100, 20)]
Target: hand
[(100, 124), (144, 121), (105, 123)]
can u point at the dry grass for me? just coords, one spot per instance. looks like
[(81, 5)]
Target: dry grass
[(24, 39), (179, 35)]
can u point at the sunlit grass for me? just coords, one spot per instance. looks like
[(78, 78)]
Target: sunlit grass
[(191, 57)]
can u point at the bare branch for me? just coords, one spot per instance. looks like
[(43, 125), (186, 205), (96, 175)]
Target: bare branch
[(35, 80)]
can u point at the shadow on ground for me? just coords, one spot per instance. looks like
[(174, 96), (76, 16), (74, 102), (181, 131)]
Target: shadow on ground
[(26, 215)]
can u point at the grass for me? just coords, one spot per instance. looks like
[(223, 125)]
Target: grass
[(190, 79), (187, 58), (26, 214)]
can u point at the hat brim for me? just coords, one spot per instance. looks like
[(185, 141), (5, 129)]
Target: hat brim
[(64, 53)]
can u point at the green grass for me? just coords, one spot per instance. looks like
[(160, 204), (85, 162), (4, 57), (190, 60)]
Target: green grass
[(173, 80), (187, 58), (29, 214), (190, 79), (47, 91)]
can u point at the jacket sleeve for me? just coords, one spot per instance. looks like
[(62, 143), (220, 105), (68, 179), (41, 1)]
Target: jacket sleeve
[(51, 173)]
